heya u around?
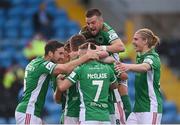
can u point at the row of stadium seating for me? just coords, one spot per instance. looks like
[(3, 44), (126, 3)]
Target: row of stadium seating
[(17, 22)]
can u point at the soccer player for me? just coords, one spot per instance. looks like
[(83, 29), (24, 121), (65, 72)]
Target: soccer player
[(37, 77), (94, 80), (148, 100), (109, 41), (71, 110)]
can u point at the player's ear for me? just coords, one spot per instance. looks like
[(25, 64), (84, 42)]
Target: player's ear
[(50, 54)]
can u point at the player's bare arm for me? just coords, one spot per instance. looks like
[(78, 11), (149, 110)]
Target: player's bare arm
[(144, 67), (58, 94), (63, 85), (116, 46), (68, 67)]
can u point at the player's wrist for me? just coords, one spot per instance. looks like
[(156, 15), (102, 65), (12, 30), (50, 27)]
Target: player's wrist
[(104, 48)]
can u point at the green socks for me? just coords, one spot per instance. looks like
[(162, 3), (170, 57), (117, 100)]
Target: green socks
[(126, 104)]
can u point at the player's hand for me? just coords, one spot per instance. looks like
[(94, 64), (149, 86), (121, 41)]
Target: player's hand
[(121, 67), (60, 77), (92, 54)]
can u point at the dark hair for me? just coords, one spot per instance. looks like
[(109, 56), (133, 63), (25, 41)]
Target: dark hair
[(92, 40), (85, 46), (52, 45), (67, 46), (93, 12), (76, 41)]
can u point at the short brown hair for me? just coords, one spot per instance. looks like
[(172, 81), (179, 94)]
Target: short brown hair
[(67, 46), (85, 46), (52, 45), (76, 41), (93, 12)]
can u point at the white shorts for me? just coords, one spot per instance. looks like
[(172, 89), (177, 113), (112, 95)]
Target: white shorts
[(71, 120), (119, 110), (144, 118), (112, 118), (95, 122), (25, 118)]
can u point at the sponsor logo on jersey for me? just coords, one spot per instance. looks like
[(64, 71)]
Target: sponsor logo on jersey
[(102, 105), (100, 39), (49, 65), (113, 36)]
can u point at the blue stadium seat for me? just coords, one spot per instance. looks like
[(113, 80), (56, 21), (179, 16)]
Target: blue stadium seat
[(21, 44), (61, 34), (12, 33), (2, 12), (168, 118), (73, 31), (3, 120), (73, 28), (51, 9), (7, 45), (12, 121), (17, 2), (61, 13), (59, 23), (16, 12), (28, 13), (73, 25), (52, 119), (27, 30), (5, 59), (177, 120), (27, 33), (169, 107), (12, 23), (20, 59)]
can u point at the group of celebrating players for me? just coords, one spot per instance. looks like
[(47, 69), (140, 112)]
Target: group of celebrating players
[(86, 75)]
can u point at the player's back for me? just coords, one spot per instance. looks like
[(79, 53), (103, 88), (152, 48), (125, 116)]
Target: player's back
[(95, 79)]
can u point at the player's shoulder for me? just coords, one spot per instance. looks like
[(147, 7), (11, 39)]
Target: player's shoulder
[(106, 27)]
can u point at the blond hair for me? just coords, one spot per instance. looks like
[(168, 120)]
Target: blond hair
[(148, 35)]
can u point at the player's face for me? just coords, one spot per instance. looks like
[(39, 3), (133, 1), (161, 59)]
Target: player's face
[(94, 24), (138, 42), (73, 55), (59, 55), (66, 57)]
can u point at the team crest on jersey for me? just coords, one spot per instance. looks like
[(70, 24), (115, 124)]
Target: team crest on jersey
[(100, 39)]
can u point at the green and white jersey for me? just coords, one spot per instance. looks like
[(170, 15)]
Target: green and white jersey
[(94, 80), (106, 35), (37, 77), (70, 100), (72, 106), (147, 84)]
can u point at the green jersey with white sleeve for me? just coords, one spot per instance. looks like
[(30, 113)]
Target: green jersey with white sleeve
[(37, 77), (147, 84)]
